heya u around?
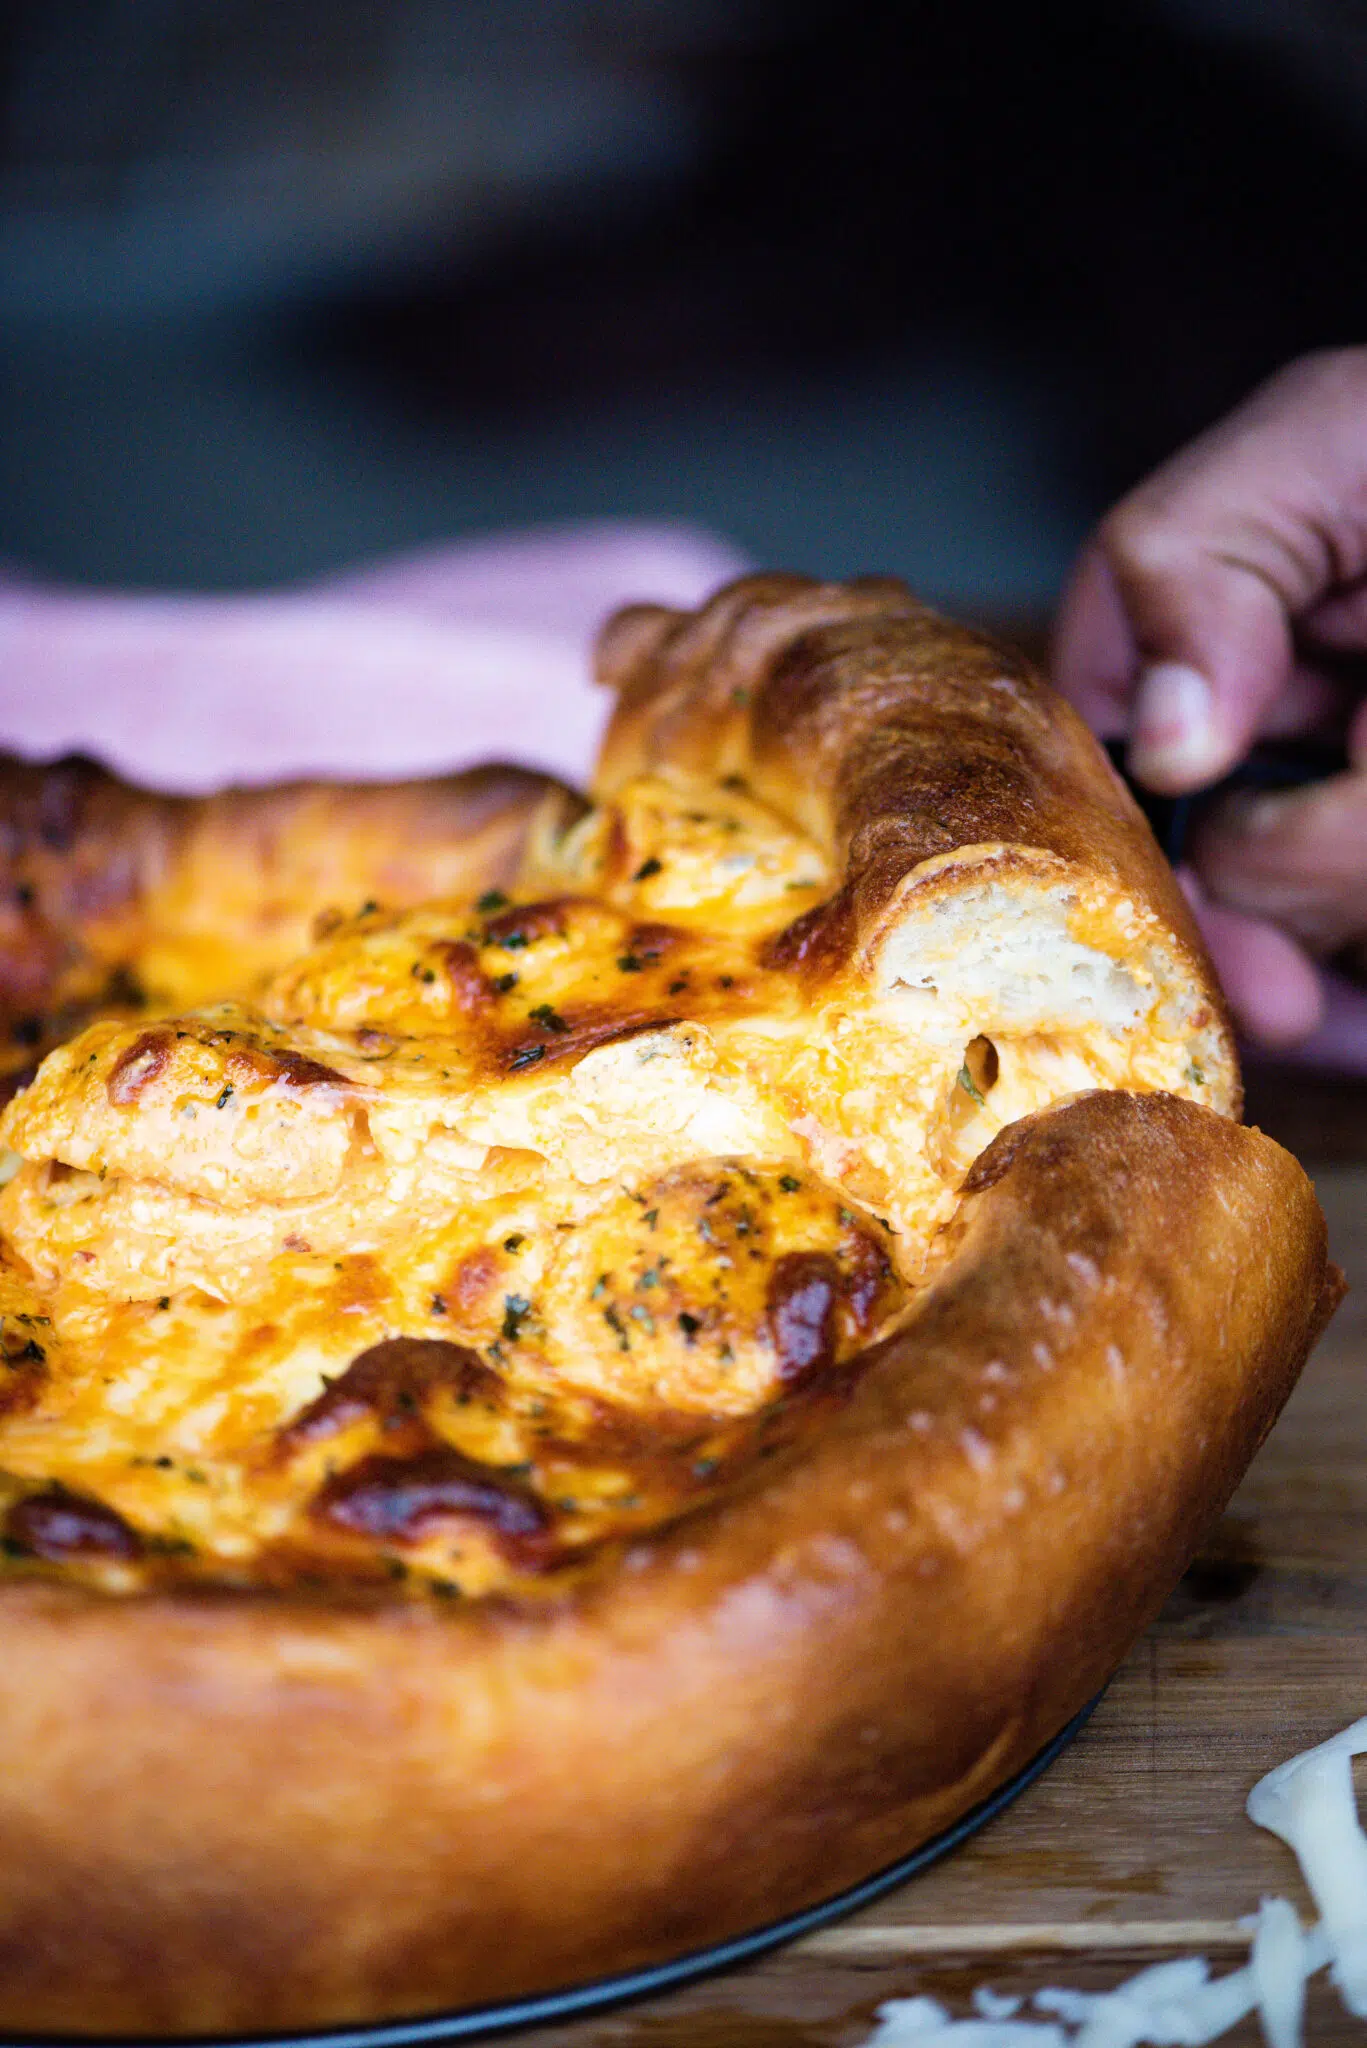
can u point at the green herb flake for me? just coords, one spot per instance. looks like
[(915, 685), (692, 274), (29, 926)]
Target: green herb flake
[(516, 1309), (690, 1325), (547, 1018), (437, 1306), (526, 1056), (630, 963), (504, 984), (789, 1183), (613, 1319), (970, 1087), (225, 1098), (647, 869), (512, 1244), (651, 1218), (490, 901), (421, 973)]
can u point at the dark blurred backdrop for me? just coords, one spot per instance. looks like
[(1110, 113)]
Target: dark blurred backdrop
[(914, 286)]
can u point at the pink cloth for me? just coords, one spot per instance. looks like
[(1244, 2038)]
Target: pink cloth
[(427, 661), (430, 661)]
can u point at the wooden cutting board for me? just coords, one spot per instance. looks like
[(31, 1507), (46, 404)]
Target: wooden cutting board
[(1134, 1846)]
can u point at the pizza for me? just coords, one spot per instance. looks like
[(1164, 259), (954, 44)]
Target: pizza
[(584, 1371)]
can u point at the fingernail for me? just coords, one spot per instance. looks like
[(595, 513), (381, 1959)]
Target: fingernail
[(1174, 743)]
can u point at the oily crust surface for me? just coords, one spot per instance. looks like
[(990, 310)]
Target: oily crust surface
[(225, 1814), (592, 1397)]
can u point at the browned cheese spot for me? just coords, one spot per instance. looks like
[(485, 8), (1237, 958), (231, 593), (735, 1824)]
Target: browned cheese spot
[(137, 1066), (472, 992), (390, 1382), (296, 1070), (402, 1500), (803, 1290), (525, 923), (59, 1526)]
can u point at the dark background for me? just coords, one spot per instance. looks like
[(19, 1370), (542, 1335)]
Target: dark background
[(917, 287)]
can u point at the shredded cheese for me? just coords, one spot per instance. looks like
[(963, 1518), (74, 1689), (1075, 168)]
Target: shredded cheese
[(1308, 1803)]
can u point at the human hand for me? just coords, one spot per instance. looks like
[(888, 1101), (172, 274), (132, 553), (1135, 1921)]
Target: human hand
[(1219, 602)]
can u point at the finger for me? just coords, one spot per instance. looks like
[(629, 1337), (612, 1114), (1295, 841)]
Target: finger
[(1219, 551), (1298, 857), (1273, 988), (1338, 621), (1094, 659)]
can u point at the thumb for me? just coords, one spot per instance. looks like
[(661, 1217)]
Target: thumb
[(1221, 550), (1214, 654)]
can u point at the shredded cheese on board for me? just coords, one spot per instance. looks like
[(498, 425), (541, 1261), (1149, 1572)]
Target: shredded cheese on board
[(1308, 1803)]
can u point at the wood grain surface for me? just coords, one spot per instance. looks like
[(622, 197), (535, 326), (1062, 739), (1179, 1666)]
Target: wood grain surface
[(1134, 1846)]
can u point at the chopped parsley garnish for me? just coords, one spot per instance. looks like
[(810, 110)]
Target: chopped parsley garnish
[(647, 869), (651, 1218), (511, 942), (526, 1056), (676, 988), (789, 1183), (516, 1309), (970, 1086), (612, 1317), (225, 1098), (421, 973), (504, 983), (690, 1325), (490, 901), (510, 1244), (630, 963), (438, 1305), (547, 1018)]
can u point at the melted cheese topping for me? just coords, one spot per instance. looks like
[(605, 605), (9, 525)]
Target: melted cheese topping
[(486, 1235)]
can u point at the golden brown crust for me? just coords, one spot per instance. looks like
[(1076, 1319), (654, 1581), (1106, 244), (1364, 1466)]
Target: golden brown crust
[(693, 1468), (895, 738), (224, 1813), (114, 898)]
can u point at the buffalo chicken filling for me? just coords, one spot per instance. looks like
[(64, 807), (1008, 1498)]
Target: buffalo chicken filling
[(490, 1236)]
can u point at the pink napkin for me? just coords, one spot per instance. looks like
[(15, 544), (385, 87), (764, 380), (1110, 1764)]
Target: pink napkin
[(429, 661)]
